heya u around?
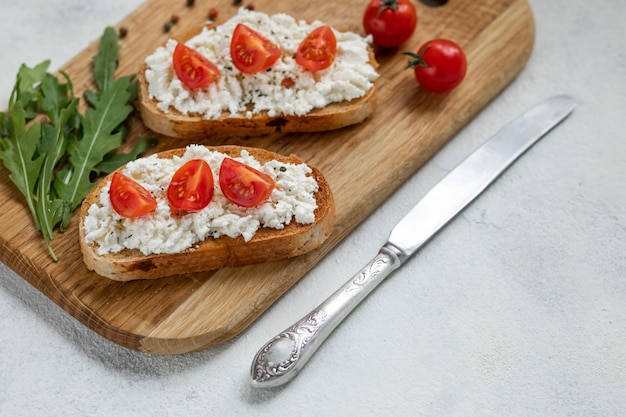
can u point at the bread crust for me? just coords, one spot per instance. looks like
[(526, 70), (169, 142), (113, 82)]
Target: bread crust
[(266, 245), (195, 126)]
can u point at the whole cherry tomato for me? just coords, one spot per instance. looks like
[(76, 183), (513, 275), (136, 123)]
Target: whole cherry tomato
[(192, 68), (440, 65), (129, 198), (390, 22)]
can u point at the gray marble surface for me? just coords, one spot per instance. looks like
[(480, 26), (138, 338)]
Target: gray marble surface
[(518, 308)]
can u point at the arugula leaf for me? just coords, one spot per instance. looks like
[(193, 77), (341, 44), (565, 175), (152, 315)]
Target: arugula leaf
[(53, 144), (26, 88), (99, 138), (18, 154), (55, 96), (104, 65), (105, 62), (52, 158)]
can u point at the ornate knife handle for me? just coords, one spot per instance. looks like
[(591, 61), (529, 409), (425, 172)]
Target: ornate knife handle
[(284, 356)]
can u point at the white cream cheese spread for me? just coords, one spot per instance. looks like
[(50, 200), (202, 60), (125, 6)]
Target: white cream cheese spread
[(243, 95), (293, 199)]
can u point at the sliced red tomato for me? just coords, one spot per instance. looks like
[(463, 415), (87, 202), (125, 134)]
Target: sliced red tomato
[(191, 188), (128, 198), (244, 185), (252, 52), (317, 51), (192, 68)]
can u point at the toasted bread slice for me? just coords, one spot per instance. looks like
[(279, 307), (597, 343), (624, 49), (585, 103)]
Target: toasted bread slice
[(178, 125), (267, 244), (174, 123)]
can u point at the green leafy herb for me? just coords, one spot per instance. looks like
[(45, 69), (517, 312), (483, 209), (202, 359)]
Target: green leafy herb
[(19, 155), (53, 151)]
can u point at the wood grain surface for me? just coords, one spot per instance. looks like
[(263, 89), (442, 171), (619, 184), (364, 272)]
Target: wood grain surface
[(196, 311)]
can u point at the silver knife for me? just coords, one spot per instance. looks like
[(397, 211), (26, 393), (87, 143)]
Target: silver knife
[(282, 358)]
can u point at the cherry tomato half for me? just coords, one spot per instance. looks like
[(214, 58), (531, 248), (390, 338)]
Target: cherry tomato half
[(390, 22), (252, 52), (128, 198), (244, 185), (440, 65), (317, 51), (191, 188), (192, 68)]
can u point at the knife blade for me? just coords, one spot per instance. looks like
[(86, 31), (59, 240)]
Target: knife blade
[(284, 356)]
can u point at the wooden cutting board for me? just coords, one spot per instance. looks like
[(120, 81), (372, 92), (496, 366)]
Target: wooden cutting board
[(363, 164)]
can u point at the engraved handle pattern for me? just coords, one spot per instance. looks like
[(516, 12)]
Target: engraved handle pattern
[(282, 358)]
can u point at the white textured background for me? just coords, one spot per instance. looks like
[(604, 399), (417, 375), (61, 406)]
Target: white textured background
[(518, 308)]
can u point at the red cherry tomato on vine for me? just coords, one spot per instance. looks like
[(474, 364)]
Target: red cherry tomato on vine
[(439, 65), (390, 22), (317, 51), (192, 68)]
